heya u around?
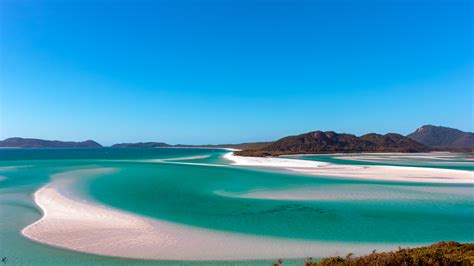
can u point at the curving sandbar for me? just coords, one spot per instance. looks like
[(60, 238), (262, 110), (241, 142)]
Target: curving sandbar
[(271, 161), (88, 227), (372, 172)]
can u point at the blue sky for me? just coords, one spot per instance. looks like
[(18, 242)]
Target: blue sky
[(232, 71)]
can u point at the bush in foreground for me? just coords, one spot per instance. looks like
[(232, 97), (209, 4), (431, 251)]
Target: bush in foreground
[(442, 254)]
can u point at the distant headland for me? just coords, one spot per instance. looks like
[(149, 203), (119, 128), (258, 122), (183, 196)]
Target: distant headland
[(424, 139), (443, 137), (41, 143), (332, 142)]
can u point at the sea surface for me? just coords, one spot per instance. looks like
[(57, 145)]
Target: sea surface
[(198, 187)]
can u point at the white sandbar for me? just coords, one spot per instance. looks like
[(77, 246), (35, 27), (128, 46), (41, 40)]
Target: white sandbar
[(381, 173), (91, 228), (271, 161)]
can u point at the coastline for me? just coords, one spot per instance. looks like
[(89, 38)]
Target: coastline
[(361, 172), (271, 161), (371, 153), (88, 227), (83, 225)]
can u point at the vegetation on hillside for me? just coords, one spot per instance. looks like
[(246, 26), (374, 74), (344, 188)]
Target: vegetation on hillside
[(332, 142), (443, 137)]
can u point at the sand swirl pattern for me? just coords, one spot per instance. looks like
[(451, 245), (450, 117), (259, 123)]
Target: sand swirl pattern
[(185, 208)]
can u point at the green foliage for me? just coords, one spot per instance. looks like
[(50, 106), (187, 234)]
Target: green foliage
[(331, 142), (442, 254)]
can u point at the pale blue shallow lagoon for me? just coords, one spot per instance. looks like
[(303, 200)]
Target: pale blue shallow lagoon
[(192, 187)]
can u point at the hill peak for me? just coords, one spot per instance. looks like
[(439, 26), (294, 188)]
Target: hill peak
[(443, 137)]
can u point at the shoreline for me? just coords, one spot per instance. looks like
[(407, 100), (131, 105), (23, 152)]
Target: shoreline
[(371, 153), (271, 161), (360, 172), (88, 227), (84, 225)]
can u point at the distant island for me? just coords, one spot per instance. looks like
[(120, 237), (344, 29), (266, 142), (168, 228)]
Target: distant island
[(41, 143), (424, 139), (332, 142), (443, 137), (254, 145)]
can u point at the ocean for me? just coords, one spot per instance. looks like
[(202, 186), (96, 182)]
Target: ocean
[(200, 189)]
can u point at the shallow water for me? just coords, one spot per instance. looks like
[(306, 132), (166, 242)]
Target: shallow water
[(156, 183), (438, 160)]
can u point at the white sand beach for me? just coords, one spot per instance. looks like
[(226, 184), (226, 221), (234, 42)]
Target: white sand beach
[(74, 223), (91, 228), (431, 157), (383, 173), (271, 161), (187, 158)]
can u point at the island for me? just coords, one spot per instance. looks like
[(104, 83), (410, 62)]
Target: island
[(41, 143), (332, 142), (443, 137)]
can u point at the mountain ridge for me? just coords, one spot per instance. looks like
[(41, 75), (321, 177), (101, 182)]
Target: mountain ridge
[(332, 142), (443, 137), (425, 138)]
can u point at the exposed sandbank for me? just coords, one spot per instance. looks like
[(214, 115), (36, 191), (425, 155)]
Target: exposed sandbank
[(88, 227), (427, 158), (372, 172), (271, 162)]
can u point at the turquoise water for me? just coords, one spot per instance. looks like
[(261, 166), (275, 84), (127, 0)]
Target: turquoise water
[(192, 194), (453, 161)]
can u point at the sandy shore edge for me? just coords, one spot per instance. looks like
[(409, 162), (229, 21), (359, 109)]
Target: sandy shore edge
[(371, 172), (88, 227)]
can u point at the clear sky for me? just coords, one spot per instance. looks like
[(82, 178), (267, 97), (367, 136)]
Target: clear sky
[(232, 71)]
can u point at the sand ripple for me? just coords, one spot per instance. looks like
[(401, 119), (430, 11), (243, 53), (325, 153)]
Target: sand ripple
[(88, 227), (369, 172)]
